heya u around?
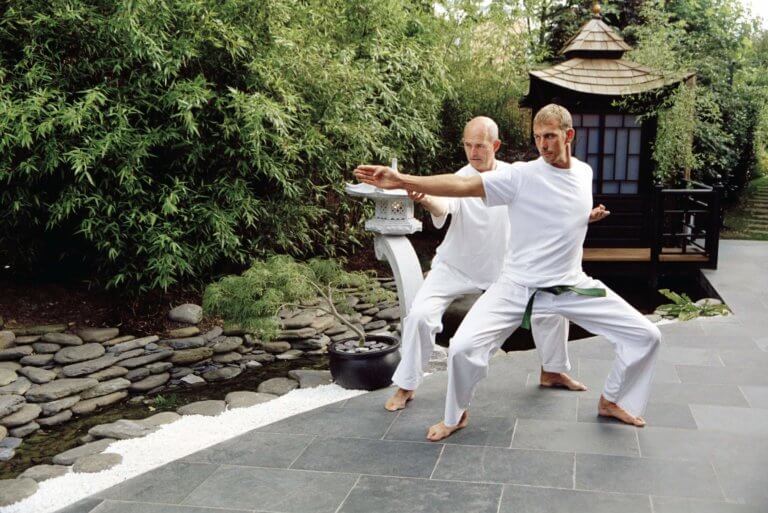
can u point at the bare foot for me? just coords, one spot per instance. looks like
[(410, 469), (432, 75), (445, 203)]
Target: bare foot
[(560, 380), (606, 408), (440, 431), (398, 400)]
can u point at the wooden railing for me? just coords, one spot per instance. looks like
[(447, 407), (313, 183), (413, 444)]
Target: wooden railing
[(687, 224)]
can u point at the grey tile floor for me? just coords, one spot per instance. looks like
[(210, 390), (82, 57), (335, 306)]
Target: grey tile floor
[(526, 450)]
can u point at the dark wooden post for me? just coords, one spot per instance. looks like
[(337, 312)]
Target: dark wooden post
[(657, 221), (715, 224)]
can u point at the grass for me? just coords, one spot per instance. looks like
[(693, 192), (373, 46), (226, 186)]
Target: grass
[(736, 222)]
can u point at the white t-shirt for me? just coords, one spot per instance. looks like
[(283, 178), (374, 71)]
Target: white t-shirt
[(549, 208), (477, 239)]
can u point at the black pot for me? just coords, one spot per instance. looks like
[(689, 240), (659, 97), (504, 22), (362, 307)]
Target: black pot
[(365, 371)]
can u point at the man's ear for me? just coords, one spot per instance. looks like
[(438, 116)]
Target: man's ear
[(496, 145), (569, 135)]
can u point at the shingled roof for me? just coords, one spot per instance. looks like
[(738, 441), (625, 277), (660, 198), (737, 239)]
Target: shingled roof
[(595, 64)]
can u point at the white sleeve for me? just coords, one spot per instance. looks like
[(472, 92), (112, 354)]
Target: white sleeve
[(451, 207), (501, 186)]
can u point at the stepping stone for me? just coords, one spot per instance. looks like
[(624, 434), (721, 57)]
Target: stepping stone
[(24, 415), (277, 386), (188, 313), (311, 378), (206, 408), (70, 456), (10, 404), (43, 472), (98, 334), (121, 430), (37, 376), (159, 419), (14, 490), (58, 389), (96, 463), (62, 339), (244, 399)]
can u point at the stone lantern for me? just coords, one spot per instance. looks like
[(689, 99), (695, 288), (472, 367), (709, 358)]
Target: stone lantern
[(391, 223)]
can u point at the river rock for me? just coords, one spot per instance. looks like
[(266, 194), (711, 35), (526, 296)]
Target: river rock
[(10, 442), (150, 382), (59, 388), (24, 415), (137, 374), (311, 344), (6, 339), (389, 314), (135, 353), (14, 366), (159, 419), (130, 345), (90, 405), (146, 359), (277, 347), (188, 356), (45, 347), (70, 456), (37, 360), (16, 352), (37, 376), (347, 335), (233, 329), (118, 340), (106, 387), (375, 325), (90, 366), (41, 329), (188, 313), (7, 377), (277, 386), (109, 373), (336, 329), (184, 343), (227, 357), (14, 490), (10, 404), (121, 430), (25, 430), (96, 463), (371, 311), (311, 378), (192, 380), (222, 374), (206, 408), (54, 407), (262, 358), (62, 339), (297, 334), (189, 331), (227, 344), (302, 320), (244, 399), (43, 472), (54, 420), (98, 334), (214, 332), (292, 354), (77, 354), (27, 339), (159, 367), (18, 387)]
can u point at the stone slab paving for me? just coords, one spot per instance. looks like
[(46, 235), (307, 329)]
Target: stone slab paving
[(526, 450)]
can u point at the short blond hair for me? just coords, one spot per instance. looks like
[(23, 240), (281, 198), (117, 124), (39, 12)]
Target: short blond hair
[(556, 113)]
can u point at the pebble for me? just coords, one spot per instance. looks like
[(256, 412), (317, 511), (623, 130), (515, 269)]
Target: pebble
[(389, 314), (43, 472), (244, 399), (10, 366), (187, 356), (158, 367), (118, 340), (188, 313), (213, 333), (322, 323), (96, 462), (277, 386), (263, 358), (184, 343), (130, 345), (227, 357), (192, 380), (137, 374), (62, 339), (98, 334), (70, 456), (140, 361), (106, 388), (27, 339), (206, 408), (14, 490), (10, 442)]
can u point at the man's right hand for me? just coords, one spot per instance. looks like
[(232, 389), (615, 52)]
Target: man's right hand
[(379, 176), (418, 197)]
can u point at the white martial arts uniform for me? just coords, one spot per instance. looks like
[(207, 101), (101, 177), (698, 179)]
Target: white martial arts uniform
[(468, 261), (549, 208)]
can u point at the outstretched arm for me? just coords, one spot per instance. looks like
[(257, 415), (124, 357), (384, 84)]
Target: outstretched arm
[(435, 205), (448, 185)]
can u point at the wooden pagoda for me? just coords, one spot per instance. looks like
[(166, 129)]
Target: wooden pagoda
[(592, 83)]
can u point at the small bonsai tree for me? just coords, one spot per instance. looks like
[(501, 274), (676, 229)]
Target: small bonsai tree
[(254, 299)]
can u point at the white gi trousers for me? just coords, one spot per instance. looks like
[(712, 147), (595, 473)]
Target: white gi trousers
[(442, 285), (499, 311)]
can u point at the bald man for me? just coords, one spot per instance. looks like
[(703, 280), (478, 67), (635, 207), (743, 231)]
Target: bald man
[(468, 261)]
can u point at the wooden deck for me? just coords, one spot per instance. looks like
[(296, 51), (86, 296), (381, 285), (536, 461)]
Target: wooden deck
[(639, 255)]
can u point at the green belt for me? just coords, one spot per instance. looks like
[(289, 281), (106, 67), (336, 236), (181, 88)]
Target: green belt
[(557, 290)]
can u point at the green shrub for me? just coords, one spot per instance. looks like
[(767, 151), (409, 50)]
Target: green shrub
[(155, 140), (253, 299)]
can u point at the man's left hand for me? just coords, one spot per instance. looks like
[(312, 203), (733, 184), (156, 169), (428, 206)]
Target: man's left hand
[(598, 213)]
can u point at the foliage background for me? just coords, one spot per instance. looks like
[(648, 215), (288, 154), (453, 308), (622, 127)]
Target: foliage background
[(147, 143)]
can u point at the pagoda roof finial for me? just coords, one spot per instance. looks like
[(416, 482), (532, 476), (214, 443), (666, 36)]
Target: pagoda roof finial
[(596, 10)]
